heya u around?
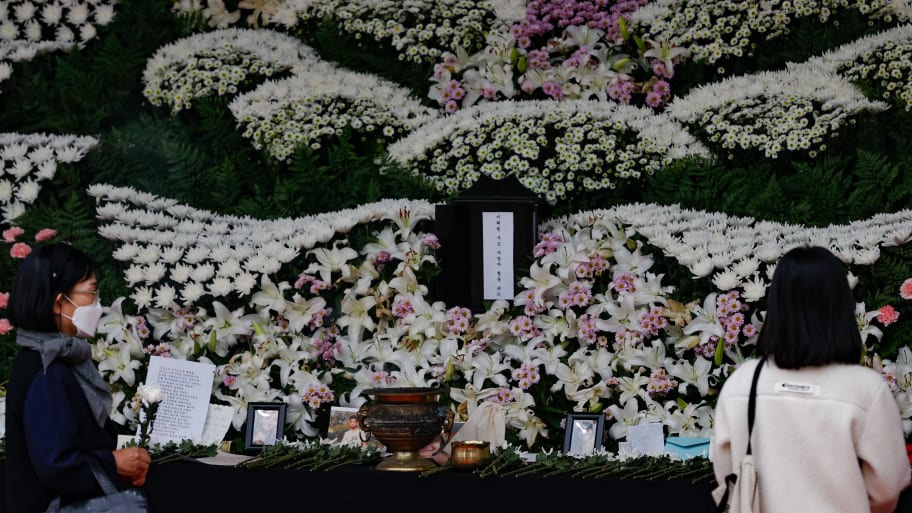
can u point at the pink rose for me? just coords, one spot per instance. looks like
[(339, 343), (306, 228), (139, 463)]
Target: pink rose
[(20, 250), (905, 290), (4, 299), (5, 326), (10, 234), (887, 315), (45, 234)]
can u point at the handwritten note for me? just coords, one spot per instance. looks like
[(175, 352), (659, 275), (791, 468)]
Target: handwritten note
[(187, 387), (497, 254)]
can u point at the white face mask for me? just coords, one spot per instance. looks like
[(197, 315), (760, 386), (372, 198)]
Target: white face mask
[(86, 318)]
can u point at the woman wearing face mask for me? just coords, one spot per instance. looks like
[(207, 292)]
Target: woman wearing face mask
[(57, 402)]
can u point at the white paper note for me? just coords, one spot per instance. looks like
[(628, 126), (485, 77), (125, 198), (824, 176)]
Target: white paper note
[(497, 254), (187, 387), (217, 423), (647, 439)]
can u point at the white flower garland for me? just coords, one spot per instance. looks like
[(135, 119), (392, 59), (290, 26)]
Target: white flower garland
[(793, 110), (172, 245), (717, 29), (27, 29), (420, 30), (596, 145), (884, 59), (319, 103), (62, 21), (736, 247), (26, 160), (217, 62)]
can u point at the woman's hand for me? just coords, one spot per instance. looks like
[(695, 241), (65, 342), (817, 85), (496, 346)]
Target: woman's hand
[(132, 464)]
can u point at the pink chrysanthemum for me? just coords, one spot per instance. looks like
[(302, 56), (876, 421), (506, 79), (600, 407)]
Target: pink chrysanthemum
[(45, 234), (10, 234), (905, 290), (887, 315), (20, 250)]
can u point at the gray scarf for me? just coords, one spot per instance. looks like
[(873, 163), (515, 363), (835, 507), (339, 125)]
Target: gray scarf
[(77, 354)]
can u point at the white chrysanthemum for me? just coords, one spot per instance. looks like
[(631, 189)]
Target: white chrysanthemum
[(203, 272), (153, 273), (28, 191), (192, 292), (221, 287), (754, 289), (6, 191)]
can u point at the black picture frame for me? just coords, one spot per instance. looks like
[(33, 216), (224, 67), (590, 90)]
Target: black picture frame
[(583, 433), (265, 425)]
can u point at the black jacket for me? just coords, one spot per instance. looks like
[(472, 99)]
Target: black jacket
[(50, 433)]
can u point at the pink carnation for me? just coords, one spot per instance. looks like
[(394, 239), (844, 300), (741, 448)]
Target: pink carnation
[(10, 234), (20, 250), (5, 326), (905, 290), (4, 299), (887, 315), (45, 234)]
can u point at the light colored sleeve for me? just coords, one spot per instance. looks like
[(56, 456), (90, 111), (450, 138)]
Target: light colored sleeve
[(720, 451), (882, 453)]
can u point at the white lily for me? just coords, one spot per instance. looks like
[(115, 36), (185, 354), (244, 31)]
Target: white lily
[(694, 374), (357, 315), (119, 364), (706, 320), (486, 366), (330, 260), (300, 311), (664, 52), (541, 281), (629, 415), (863, 318), (270, 297)]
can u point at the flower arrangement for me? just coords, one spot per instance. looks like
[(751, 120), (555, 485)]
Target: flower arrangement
[(552, 148), (420, 31), (887, 69), (27, 160), (560, 49), (729, 29), (66, 21), (313, 311), (595, 327), (793, 111), (217, 62), (319, 103)]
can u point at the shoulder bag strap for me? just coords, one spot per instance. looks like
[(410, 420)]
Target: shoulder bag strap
[(103, 480), (752, 404)]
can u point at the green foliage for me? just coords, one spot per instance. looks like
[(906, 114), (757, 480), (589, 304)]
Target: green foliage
[(806, 38)]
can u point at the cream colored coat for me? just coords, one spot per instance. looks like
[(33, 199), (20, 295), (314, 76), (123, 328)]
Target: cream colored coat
[(826, 439)]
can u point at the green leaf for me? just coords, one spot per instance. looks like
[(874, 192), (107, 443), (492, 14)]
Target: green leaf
[(720, 352)]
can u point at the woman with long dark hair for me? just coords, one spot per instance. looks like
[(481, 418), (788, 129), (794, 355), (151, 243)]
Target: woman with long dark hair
[(827, 435)]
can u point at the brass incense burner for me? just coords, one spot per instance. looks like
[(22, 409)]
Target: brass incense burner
[(405, 420), (470, 454)]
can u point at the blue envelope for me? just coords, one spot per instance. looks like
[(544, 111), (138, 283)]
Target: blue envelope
[(686, 447)]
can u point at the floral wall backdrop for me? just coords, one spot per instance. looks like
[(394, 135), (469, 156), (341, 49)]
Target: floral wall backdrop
[(258, 181)]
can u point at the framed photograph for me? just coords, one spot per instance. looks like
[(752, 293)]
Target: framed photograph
[(583, 433), (344, 429), (265, 425)]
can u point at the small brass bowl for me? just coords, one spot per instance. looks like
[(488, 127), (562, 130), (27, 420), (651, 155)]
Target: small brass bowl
[(470, 454)]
